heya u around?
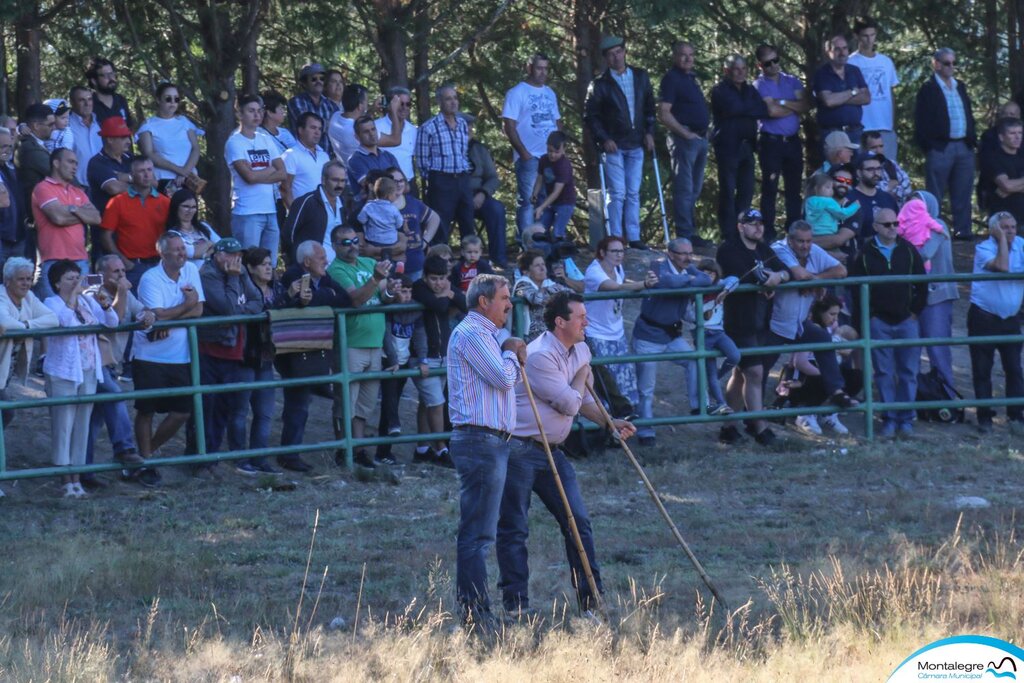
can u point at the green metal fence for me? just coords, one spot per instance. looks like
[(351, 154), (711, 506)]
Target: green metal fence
[(858, 286)]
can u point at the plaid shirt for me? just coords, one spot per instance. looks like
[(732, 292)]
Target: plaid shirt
[(955, 106), (439, 148), (625, 81), (300, 104)]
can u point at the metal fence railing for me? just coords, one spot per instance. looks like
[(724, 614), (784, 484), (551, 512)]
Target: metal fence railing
[(860, 287)]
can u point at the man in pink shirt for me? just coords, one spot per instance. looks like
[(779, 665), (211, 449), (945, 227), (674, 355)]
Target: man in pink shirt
[(61, 211), (558, 367)]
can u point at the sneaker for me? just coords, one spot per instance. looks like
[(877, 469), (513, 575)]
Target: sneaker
[(295, 463), (79, 491), (729, 434), (766, 437), (444, 459), (69, 491), (808, 424), (246, 467), (722, 409), (360, 457), (37, 370), (905, 430), (427, 456), (148, 477), (395, 431), (832, 422), (384, 460), (888, 430), (264, 467)]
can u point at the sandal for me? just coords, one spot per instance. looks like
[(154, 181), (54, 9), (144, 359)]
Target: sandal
[(843, 400)]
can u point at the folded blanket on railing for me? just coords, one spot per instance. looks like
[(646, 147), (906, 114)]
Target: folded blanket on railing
[(294, 330)]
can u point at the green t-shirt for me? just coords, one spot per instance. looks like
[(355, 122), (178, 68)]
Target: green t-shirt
[(364, 331)]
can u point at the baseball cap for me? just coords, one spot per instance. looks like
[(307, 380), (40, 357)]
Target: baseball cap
[(838, 139), (115, 127), (751, 216), (58, 104), (229, 245), (311, 69)]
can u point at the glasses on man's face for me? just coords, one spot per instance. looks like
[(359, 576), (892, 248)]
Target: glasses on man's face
[(348, 242), (871, 169), (951, 62), (399, 181), (171, 98), (888, 224), (616, 251), (317, 79), (770, 62)]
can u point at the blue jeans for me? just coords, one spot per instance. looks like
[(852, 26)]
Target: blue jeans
[(896, 368), (647, 374), (481, 461), (257, 230), (558, 217), (936, 320), (526, 178), (718, 340), (624, 171), (228, 411), (120, 427), (295, 414), (261, 402), (529, 471), (135, 277), (450, 196), (492, 213), (953, 167), (42, 288), (689, 157)]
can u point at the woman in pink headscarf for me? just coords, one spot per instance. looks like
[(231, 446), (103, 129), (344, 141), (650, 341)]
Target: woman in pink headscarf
[(921, 226)]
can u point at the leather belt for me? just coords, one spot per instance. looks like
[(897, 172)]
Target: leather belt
[(504, 436)]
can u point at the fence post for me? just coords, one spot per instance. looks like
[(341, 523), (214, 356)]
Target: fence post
[(702, 366), (197, 398), (519, 319), (346, 396), (869, 385)]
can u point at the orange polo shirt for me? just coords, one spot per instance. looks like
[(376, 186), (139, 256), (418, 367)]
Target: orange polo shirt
[(137, 222)]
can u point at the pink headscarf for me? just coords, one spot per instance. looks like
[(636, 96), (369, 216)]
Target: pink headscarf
[(917, 225)]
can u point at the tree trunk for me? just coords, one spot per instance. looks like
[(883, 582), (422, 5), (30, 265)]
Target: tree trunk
[(1014, 35), (27, 43), (586, 39), (251, 66), (219, 123), (4, 95), (421, 63), (392, 52)]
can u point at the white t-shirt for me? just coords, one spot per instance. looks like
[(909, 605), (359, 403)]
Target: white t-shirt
[(880, 75), (260, 151), (405, 151), (61, 139), (156, 290), (170, 140), (305, 166), (605, 316), (535, 111), (342, 132)]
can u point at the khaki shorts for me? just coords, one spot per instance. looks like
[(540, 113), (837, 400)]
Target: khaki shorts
[(363, 396)]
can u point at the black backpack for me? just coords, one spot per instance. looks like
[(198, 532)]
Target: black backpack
[(932, 387)]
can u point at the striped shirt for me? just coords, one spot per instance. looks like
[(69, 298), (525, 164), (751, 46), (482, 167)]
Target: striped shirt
[(441, 148), (301, 103), (955, 107), (481, 377)]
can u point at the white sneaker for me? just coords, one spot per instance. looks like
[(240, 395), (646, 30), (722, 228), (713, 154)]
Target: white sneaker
[(833, 423), (808, 424), (79, 491), (69, 491)]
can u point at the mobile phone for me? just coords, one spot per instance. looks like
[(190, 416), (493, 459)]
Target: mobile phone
[(400, 268), (93, 279), (304, 283)]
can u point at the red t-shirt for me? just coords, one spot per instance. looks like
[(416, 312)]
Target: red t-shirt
[(137, 222), (58, 241), (467, 271)]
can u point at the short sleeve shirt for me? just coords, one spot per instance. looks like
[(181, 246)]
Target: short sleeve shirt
[(364, 331), (170, 140), (689, 106), (56, 241), (342, 133), (1001, 298), (157, 290), (558, 172), (605, 315), (995, 164), (826, 80), (405, 151), (103, 169), (260, 151), (793, 305), (306, 166), (535, 111), (881, 77), (137, 222)]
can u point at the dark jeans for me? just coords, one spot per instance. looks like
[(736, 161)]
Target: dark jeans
[(227, 411), (528, 472), (135, 274), (261, 402), (390, 396), (827, 361), (982, 323), (449, 195), (780, 159), (735, 184), (295, 414), (481, 460), (119, 423), (492, 213)]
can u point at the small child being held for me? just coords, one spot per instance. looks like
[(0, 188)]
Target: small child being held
[(554, 173), (61, 137), (715, 338), (383, 222), (821, 209), (470, 263)]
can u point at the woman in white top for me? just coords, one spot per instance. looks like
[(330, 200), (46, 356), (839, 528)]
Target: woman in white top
[(182, 219), (606, 335), (169, 139), (72, 364)]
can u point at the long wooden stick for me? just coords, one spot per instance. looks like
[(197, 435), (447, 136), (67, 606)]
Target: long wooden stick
[(657, 501), (565, 500)]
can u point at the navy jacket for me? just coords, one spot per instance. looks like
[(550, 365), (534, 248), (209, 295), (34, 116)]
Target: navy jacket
[(735, 111), (931, 117), (658, 313)]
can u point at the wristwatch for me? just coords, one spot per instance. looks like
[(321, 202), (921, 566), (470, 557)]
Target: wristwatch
[(782, 103), (853, 92)]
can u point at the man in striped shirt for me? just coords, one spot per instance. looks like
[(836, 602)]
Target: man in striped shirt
[(442, 156), (482, 375)]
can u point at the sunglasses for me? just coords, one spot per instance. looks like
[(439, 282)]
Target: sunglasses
[(348, 242), (888, 224), (843, 181), (317, 78), (172, 99), (770, 62), (949, 63)]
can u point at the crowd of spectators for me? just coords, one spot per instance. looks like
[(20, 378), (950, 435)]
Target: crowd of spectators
[(332, 207)]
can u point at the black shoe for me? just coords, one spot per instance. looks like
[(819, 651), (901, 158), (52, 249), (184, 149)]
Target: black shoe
[(294, 463), (637, 244), (90, 482), (963, 237), (382, 459), (647, 441), (444, 459), (766, 437), (698, 242), (360, 457), (729, 434), (428, 456), (148, 477), (263, 467)]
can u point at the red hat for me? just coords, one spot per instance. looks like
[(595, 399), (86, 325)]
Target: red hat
[(115, 127)]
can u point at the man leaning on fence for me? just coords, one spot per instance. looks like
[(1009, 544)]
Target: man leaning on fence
[(995, 310)]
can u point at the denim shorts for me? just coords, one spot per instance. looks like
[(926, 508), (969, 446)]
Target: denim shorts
[(431, 389)]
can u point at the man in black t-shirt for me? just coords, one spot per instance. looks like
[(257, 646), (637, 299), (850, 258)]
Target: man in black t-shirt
[(1002, 171), (747, 315), (871, 197)]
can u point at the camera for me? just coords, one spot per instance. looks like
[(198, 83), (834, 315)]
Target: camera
[(759, 273)]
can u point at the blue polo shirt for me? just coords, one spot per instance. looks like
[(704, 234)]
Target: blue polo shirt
[(101, 169), (362, 162), (826, 79), (689, 107), (785, 89), (1002, 299)]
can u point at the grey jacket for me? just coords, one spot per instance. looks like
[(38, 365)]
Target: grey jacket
[(483, 174), (939, 250), (226, 295)]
